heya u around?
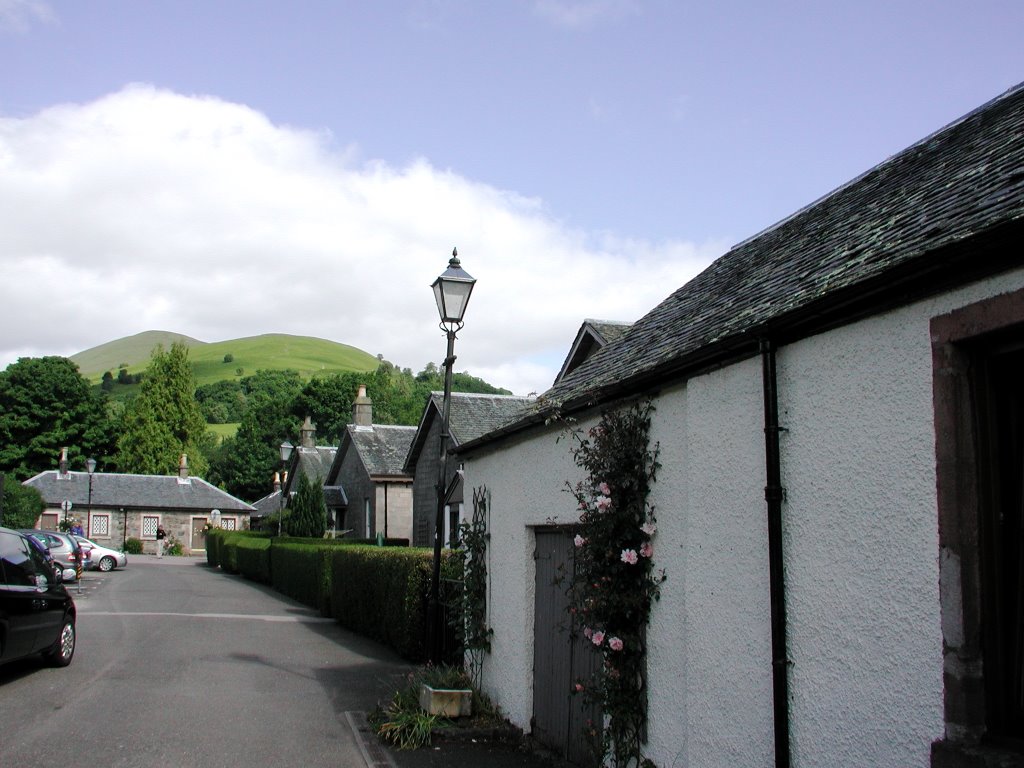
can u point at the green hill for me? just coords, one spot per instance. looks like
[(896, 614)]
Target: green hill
[(276, 351)]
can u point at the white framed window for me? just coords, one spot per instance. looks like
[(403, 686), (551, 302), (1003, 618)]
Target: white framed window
[(99, 525), (369, 521), (149, 525), (229, 523)]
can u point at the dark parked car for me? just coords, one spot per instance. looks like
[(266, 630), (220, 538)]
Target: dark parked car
[(37, 615)]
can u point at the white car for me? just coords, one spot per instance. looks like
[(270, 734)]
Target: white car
[(104, 558)]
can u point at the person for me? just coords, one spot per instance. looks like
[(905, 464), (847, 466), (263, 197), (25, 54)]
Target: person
[(76, 529), (161, 534)]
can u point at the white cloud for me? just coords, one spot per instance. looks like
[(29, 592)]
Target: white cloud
[(18, 15), (152, 210), (576, 14)]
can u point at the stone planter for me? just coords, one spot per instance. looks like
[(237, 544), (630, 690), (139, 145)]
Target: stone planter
[(446, 702)]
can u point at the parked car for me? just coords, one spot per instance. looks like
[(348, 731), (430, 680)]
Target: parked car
[(104, 558), (63, 547), (37, 615), (65, 574)]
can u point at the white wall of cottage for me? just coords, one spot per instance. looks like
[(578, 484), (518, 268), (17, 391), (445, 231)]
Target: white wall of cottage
[(860, 541)]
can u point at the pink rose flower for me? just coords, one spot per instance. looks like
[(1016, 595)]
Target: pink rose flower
[(628, 556), (603, 502), (579, 687), (579, 541), (597, 638), (649, 528), (587, 632), (646, 549), (615, 643), (604, 489)]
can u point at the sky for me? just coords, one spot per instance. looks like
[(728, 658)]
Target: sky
[(229, 168)]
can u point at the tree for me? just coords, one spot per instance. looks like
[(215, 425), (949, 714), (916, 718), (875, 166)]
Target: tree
[(108, 381), (46, 405), (164, 420), (22, 505), (244, 464), (308, 509)]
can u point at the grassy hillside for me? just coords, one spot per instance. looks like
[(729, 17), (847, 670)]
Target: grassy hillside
[(131, 350), (307, 355)]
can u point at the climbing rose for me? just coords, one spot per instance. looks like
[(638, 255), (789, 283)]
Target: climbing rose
[(604, 489), (579, 687), (649, 528), (615, 643), (646, 549), (587, 632), (597, 638), (603, 502), (579, 541), (628, 556)]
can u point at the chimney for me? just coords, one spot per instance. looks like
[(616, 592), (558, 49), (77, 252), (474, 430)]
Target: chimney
[(183, 469), (362, 409), (308, 434), (277, 482), (62, 464)]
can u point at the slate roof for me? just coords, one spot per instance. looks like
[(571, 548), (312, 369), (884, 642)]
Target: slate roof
[(151, 492), (313, 462), (472, 415), (592, 336), (894, 234), (268, 505), (382, 449)]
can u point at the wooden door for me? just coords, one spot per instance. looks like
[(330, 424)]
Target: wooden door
[(562, 656)]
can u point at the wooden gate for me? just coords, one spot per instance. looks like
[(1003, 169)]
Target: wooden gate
[(561, 655)]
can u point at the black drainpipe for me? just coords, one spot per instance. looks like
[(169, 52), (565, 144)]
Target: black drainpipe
[(773, 494)]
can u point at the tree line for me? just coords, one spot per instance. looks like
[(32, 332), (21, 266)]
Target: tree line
[(46, 404)]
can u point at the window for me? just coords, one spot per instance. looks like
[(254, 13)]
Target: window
[(16, 565), (369, 520), (99, 525), (978, 381), (149, 526), (229, 523)]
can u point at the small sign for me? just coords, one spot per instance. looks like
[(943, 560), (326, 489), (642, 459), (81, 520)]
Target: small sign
[(66, 505)]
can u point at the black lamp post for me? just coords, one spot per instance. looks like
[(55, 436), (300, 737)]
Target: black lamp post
[(451, 291), (286, 452), (90, 464)]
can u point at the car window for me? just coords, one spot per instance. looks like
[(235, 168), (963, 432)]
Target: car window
[(18, 566)]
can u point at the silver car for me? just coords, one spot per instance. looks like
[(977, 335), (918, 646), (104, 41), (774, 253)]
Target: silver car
[(104, 558)]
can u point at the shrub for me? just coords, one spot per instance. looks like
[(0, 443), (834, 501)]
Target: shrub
[(229, 358), (382, 593), (300, 570), (253, 557), (133, 546)]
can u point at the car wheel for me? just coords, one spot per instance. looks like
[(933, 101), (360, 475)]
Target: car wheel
[(107, 563), (64, 649)]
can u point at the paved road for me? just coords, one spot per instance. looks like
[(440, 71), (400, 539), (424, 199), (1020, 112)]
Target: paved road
[(181, 665)]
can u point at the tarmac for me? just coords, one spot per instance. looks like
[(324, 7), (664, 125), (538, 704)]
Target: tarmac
[(456, 748)]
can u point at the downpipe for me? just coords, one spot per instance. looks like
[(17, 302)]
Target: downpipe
[(774, 494)]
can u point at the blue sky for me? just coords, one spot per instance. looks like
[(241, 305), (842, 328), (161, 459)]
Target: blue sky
[(230, 168)]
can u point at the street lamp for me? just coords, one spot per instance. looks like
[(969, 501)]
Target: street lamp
[(90, 464), (451, 292), (286, 452)]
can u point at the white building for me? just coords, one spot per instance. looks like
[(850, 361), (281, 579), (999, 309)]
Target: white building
[(885, 323)]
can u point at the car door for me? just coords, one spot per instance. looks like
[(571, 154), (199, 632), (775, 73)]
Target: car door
[(21, 603)]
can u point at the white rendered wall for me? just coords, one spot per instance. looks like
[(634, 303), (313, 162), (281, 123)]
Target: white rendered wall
[(860, 541)]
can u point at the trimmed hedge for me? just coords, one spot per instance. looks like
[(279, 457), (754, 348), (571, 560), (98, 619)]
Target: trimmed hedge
[(383, 593), (253, 557), (300, 570), (379, 592)]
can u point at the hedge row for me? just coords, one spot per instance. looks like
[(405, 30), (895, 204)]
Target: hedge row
[(379, 592)]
